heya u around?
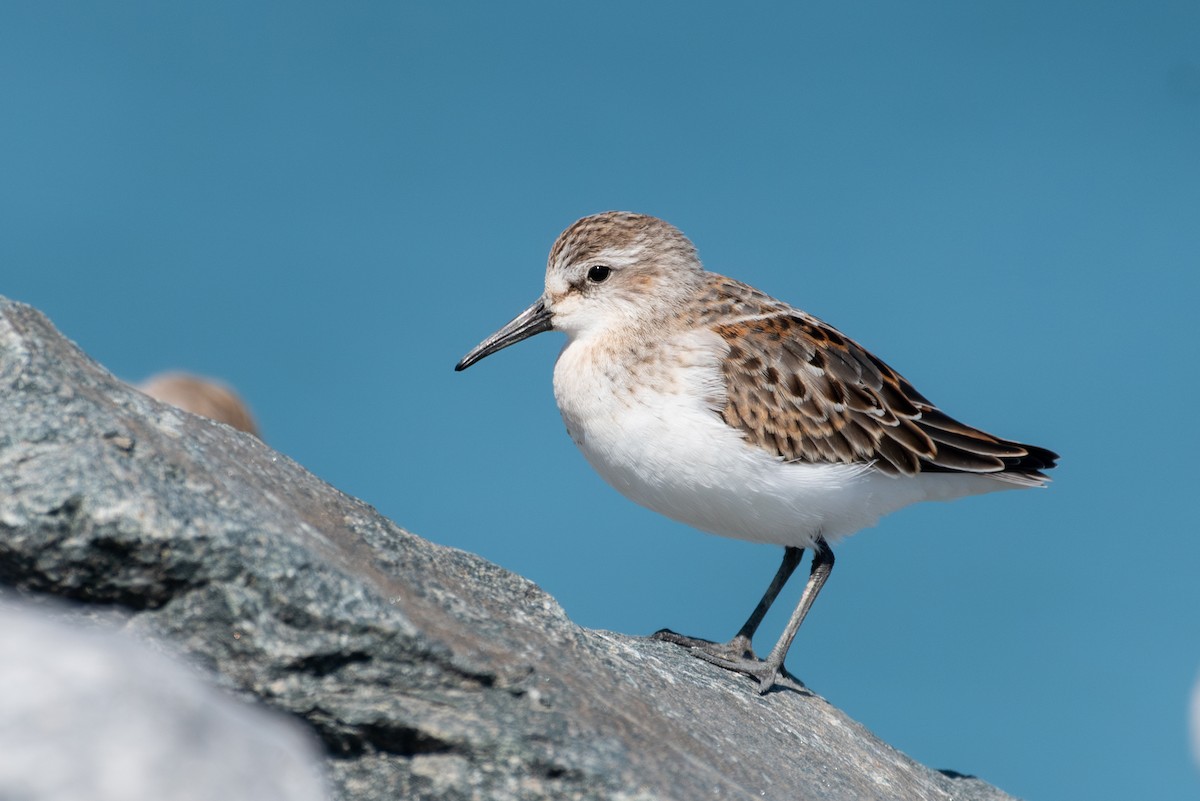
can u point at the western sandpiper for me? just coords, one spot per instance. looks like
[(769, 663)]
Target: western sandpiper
[(713, 403)]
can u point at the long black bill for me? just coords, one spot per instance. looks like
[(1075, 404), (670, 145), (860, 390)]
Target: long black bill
[(533, 320)]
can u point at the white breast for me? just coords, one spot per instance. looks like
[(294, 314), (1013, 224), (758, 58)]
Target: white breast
[(646, 419)]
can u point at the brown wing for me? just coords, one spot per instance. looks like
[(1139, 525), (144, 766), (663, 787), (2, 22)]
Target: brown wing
[(800, 389)]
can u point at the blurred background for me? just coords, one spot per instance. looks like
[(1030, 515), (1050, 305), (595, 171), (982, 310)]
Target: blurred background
[(326, 205)]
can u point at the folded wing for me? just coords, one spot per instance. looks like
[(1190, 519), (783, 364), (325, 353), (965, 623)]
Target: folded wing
[(800, 389)]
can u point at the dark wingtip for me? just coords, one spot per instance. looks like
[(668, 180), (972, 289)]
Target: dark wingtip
[(1040, 458)]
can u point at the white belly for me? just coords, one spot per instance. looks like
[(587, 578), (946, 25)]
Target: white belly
[(653, 435)]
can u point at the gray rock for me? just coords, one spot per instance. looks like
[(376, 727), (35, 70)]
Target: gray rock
[(425, 671), (89, 714)]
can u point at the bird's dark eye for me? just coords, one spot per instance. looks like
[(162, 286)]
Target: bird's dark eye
[(599, 273)]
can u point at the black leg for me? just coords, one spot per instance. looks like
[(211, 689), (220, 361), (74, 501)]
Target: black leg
[(791, 558), (822, 566), (767, 671), (740, 646)]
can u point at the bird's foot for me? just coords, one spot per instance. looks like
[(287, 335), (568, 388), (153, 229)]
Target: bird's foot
[(736, 649), (766, 673), (735, 655)]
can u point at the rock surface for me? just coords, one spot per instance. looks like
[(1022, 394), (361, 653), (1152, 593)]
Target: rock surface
[(425, 671), (86, 713)]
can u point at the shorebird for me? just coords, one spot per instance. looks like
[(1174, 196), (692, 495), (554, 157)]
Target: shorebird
[(717, 405)]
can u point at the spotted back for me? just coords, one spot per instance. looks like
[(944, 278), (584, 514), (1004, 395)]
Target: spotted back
[(803, 391)]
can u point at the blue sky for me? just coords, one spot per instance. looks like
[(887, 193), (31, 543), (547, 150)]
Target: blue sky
[(326, 205)]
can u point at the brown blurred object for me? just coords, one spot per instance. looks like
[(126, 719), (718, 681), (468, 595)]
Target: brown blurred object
[(203, 396)]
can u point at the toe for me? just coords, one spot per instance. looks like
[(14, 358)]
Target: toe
[(666, 635), (766, 680)]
